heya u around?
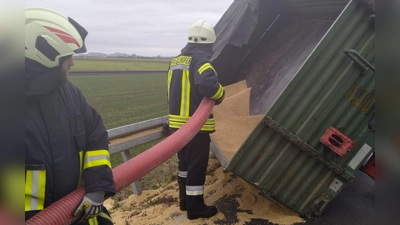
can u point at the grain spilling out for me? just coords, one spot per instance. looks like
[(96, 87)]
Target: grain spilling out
[(233, 121)]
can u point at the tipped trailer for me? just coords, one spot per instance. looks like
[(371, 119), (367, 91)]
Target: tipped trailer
[(310, 66)]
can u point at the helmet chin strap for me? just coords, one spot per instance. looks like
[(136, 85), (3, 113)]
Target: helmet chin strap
[(41, 80)]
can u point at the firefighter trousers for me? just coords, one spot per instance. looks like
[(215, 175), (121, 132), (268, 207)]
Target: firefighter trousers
[(193, 161)]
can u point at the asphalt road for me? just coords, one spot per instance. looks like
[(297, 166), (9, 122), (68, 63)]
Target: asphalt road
[(354, 205)]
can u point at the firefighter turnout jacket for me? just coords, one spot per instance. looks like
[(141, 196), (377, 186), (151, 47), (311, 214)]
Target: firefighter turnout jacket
[(66, 146), (190, 78)]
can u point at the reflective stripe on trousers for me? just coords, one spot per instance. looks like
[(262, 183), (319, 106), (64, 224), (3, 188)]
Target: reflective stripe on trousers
[(194, 190), (182, 174)]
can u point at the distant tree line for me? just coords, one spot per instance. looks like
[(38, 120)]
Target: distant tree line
[(119, 55)]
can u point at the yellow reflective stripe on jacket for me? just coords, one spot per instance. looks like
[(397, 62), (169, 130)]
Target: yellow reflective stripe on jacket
[(80, 182), (185, 94), (169, 81), (183, 119), (178, 121), (219, 94), (96, 158), (35, 188), (93, 221), (205, 67)]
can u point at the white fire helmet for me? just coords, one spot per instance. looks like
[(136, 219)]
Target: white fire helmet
[(201, 32), (50, 36)]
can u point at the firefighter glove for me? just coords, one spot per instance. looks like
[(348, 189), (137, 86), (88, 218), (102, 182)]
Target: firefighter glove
[(90, 206)]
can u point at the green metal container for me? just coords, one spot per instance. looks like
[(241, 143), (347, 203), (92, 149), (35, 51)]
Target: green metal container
[(314, 134)]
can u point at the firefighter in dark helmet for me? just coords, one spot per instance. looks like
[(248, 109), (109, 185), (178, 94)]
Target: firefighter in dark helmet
[(66, 143), (191, 77)]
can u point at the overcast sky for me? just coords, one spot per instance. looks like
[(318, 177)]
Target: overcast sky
[(141, 27)]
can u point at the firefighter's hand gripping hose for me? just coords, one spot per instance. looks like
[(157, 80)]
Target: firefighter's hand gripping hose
[(60, 212), (90, 206)]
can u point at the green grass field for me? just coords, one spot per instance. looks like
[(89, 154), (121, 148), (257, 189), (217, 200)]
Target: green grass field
[(127, 99), (123, 64)]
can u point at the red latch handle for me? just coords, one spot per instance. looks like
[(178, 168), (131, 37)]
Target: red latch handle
[(337, 141)]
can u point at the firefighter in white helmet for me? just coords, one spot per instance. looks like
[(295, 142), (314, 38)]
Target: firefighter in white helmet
[(191, 77), (66, 143)]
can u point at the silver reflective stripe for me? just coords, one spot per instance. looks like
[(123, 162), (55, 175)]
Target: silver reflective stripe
[(94, 158), (194, 190), (35, 189), (182, 174), (179, 67)]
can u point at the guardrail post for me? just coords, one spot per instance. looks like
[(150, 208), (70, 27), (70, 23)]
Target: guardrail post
[(136, 187)]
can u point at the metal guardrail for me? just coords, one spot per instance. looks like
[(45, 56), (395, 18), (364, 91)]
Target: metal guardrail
[(135, 127), (130, 129), (116, 72)]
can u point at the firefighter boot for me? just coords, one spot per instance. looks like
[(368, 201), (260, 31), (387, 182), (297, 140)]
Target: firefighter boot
[(197, 209), (182, 193)]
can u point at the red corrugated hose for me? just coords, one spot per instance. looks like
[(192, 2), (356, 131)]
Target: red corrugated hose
[(59, 213)]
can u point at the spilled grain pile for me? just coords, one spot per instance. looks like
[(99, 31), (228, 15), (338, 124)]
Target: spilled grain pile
[(237, 201), (232, 118)]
